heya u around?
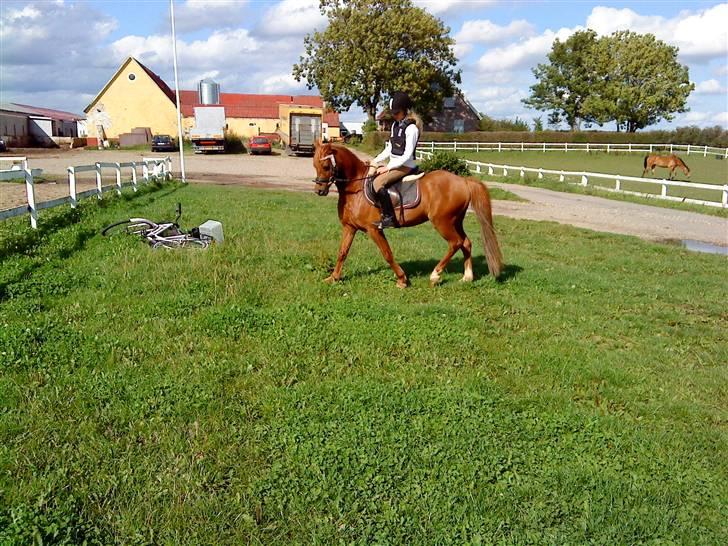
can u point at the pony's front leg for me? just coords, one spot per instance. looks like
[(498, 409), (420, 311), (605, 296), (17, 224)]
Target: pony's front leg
[(381, 241), (347, 238)]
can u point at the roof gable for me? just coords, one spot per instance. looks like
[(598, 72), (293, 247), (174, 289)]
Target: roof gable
[(163, 87)]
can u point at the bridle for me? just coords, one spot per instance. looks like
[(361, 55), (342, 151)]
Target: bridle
[(324, 184)]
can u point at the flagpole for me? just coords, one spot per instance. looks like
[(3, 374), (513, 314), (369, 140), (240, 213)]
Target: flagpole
[(176, 92)]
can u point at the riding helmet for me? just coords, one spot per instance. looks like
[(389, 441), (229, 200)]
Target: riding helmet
[(400, 102)]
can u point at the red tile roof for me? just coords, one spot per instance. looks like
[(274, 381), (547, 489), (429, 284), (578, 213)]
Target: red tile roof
[(244, 105), (48, 113)]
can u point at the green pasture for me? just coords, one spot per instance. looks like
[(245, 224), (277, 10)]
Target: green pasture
[(229, 396), (704, 170)]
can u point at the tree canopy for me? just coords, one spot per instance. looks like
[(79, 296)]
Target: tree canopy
[(372, 48), (632, 79)]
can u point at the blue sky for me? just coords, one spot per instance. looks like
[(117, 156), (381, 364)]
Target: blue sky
[(59, 53)]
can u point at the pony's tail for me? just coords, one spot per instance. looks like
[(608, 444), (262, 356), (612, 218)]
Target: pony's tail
[(480, 200), (644, 163)]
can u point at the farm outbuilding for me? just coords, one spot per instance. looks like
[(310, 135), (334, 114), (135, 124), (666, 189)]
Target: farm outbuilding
[(137, 97), (24, 125)]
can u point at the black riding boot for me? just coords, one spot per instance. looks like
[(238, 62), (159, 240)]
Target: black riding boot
[(385, 202)]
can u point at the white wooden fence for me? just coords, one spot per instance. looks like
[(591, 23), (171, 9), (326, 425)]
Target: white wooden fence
[(152, 169), (491, 168), (456, 146)]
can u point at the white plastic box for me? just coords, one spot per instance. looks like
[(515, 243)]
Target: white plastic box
[(213, 228)]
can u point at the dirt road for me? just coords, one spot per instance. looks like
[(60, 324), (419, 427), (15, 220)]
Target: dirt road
[(295, 173)]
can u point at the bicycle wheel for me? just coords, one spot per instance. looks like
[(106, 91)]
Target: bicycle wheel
[(137, 226)]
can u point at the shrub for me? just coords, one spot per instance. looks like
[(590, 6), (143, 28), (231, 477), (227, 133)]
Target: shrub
[(234, 144), (446, 161)]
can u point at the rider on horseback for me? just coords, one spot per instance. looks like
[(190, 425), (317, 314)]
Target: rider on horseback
[(400, 150)]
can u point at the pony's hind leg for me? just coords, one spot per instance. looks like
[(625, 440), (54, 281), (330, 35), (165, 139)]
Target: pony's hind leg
[(455, 242), (467, 249)]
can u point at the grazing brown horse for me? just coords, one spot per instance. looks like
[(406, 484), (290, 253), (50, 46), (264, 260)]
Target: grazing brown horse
[(669, 161), (445, 199)]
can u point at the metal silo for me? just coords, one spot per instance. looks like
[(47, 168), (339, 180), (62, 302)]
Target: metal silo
[(208, 91)]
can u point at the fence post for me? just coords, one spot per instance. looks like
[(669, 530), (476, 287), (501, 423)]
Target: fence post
[(145, 172), (30, 192), (544, 147), (688, 149), (587, 147), (454, 145), (72, 186), (540, 173), (584, 180), (664, 190), (617, 185), (432, 146), (99, 191), (724, 199), (523, 173), (505, 171), (561, 176), (705, 152), (629, 147), (477, 168), (499, 146), (133, 175), (670, 147), (118, 178), (566, 146), (521, 145), (477, 146), (650, 148), (607, 147), (490, 170)]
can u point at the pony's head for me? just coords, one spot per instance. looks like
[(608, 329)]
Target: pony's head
[(324, 162)]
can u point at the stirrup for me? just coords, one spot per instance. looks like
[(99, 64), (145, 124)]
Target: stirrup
[(386, 222)]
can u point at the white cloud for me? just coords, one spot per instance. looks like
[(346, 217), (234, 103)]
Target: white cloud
[(721, 70), (292, 18), (709, 87), (700, 35), (521, 54), (28, 12), (438, 7), (199, 14), (281, 84), (462, 50), (487, 32)]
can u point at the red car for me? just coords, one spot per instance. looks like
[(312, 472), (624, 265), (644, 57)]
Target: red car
[(259, 145)]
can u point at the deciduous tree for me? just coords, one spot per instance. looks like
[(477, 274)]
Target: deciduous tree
[(372, 48)]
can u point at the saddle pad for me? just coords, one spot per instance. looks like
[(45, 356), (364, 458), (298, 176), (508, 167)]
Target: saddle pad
[(404, 195)]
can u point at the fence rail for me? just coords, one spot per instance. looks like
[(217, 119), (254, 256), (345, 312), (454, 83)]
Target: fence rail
[(478, 168), (152, 169), (457, 146)]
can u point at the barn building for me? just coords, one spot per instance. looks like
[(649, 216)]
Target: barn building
[(136, 97), (23, 125)]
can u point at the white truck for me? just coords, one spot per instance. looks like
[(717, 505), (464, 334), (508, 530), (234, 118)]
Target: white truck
[(208, 133)]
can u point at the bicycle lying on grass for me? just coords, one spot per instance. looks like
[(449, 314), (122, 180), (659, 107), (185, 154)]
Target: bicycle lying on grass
[(160, 235)]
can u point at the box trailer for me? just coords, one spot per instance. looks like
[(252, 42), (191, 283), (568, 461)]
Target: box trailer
[(208, 133), (300, 128)]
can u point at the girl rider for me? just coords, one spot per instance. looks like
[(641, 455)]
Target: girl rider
[(400, 149)]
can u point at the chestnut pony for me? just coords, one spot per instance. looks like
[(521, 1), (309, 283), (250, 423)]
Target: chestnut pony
[(445, 199), (669, 161)]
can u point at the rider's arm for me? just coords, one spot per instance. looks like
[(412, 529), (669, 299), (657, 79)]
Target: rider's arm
[(411, 135), (383, 155)]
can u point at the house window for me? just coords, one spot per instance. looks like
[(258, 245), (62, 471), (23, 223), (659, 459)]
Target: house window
[(459, 126), (449, 102)]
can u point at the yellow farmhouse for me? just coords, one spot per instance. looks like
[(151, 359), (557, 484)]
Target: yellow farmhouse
[(136, 97)]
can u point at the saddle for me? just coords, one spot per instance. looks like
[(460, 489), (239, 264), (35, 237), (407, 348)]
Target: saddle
[(405, 193)]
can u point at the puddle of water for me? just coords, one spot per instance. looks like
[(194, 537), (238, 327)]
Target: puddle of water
[(699, 246)]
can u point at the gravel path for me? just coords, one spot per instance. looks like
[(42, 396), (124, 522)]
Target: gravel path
[(296, 173)]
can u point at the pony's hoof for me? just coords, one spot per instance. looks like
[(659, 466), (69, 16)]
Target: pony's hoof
[(467, 278), (402, 283), (435, 279), (330, 279)]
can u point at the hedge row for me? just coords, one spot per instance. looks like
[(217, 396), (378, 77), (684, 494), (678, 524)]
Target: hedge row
[(711, 136)]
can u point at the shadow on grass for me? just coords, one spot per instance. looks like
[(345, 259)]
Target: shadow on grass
[(423, 268)]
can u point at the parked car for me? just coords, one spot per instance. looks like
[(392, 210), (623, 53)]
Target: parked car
[(3, 148), (259, 145), (163, 143)]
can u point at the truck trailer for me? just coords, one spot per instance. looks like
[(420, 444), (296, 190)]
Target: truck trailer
[(300, 128), (208, 133)]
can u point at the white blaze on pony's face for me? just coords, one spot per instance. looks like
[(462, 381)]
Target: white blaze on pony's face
[(324, 162)]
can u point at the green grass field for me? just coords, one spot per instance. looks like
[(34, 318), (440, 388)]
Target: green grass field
[(228, 396)]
